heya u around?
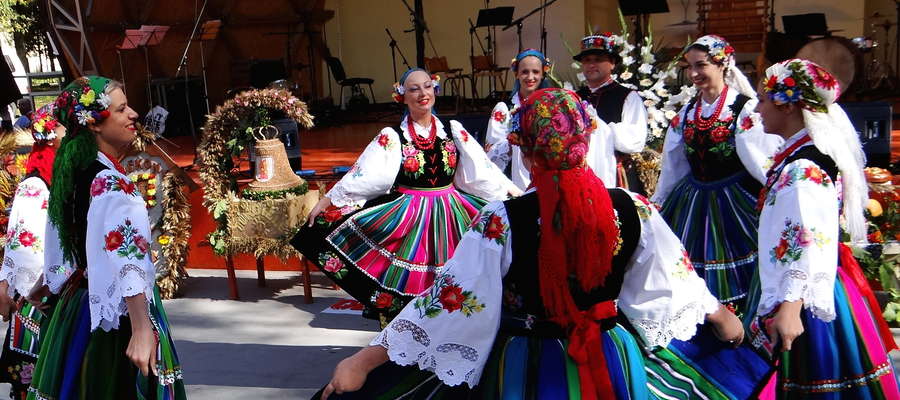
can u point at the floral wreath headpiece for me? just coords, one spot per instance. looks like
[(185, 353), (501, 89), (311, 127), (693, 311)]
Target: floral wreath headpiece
[(399, 90), (84, 101), (719, 49), (606, 42), (802, 82), (42, 129), (545, 62)]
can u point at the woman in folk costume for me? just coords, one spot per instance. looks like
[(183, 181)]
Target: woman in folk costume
[(23, 256), (531, 68), (817, 313), (527, 306), (389, 225), (712, 170), (108, 337)]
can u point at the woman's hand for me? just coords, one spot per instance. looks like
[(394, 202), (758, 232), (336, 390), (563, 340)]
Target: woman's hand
[(317, 209), (37, 294), (350, 374), (7, 305), (727, 326), (786, 325), (514, 192), (142, 346)]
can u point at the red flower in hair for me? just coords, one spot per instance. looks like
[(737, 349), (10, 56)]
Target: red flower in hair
[(729, 50), (104, 114), (771, 82), (451, 298), (822, 78), (789, 82)]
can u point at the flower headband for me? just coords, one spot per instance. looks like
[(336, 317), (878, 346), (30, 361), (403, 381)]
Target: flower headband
[(42, 129), (606, 41), (719, 49), (84, 101), (399, 90), (514, 66), (802, 82)]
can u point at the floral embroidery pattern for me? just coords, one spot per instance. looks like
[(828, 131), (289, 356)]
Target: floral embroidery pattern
[(445, 294), (387, 301), (491, 226), (716, 141), (795, 173), (465, 135), (384, 140), (333, 214), (28, 191), (448, 152), (331, 263), (126, 242), (794, 238), (413, 160), (643, 206), (500, 116), (19, 236), (683, 268), (746, 123), (356, 171), (111, 183)]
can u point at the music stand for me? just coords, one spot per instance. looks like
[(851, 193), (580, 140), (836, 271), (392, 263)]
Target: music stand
[(641, 11), (489, 18), (208, 31), (130, 42), (151, 35)]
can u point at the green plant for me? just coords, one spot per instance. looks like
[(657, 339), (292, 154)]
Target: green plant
[(21, 20)]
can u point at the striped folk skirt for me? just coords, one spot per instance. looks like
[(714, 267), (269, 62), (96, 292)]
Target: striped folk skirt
[(716, 222), (76, 363), (389, 252), (519, 367), (842, 359)]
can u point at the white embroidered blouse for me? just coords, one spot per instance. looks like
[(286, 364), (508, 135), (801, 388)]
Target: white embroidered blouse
[(23, 258), (375, 170), (118, 247), (627, 136), (450, 328), (754, 147), (798, 242)]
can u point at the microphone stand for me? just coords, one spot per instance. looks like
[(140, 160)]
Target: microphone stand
[(395, 49)]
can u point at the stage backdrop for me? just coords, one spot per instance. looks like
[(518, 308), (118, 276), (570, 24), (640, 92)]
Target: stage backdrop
[(356, 35)]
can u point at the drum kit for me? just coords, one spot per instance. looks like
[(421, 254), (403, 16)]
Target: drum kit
[(846, 59)]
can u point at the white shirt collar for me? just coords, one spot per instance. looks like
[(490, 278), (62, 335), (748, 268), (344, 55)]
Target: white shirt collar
[(604, 84), (101, 156), (421, 130)]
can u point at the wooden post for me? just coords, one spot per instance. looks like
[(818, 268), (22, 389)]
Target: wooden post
[(232, 279), (260, 272)]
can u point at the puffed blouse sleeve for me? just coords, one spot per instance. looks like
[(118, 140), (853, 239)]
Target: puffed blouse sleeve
[(23, 257), (798, 238), (754, 146), (475, 173), (118, 248), (661, 295), (450, 328), (674, 162), (497, 130), (56, 268), (630, 135), (372, 175)]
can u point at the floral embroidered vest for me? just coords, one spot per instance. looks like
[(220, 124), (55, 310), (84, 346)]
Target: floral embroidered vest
[(711, 153), (523, 310), (433, 167), (76, 209)]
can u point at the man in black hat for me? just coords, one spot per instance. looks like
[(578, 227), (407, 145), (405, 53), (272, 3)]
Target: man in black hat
[(623, 117)]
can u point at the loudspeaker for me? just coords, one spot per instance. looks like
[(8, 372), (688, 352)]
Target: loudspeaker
[(631, 7), (169, 93), (264, 72), (872, 121)]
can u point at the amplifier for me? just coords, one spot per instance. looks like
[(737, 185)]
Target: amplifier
[(872, 121)]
